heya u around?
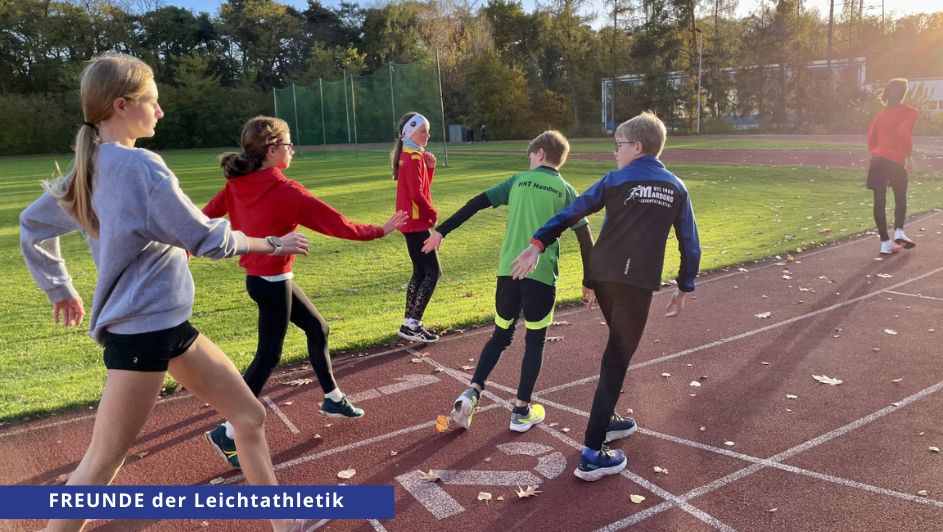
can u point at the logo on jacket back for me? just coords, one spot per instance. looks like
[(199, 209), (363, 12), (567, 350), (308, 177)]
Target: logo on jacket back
[(663, 196)]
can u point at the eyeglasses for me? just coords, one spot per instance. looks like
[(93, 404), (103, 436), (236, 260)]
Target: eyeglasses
[(290, 145), (621, 142)]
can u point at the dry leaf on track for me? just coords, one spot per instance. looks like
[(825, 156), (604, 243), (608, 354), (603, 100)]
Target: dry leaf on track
[(791, 396), (347, 473), (217, 480), (637, 499), (934, 449), (827, 380), (891, 332), (896, 380), (885, 275), (441, 423), (297, 382), (431, 476), (527, 491), (763, 315), (484, 496), (468, 368), (554, 338), (666, 375), (415, 360), (695, 384)]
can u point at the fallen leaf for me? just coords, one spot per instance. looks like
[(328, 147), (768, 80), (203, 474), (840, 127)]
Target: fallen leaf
[(431, 476), (499, 498), (317, 436), (441, 423), (484, 496), (326, 425), (438, 370), (891, 332), (922, 493), (527, 491), (629, 411), (554, 338), (765, 363), (288, 403), (787, 277), (702, 429), (565, 429), (896, 380), (298, 382), (827, 380), (415, 360), (217, 480), (771, 510), (729, 443), (393, 453), (554, 424), (468, 368), (488, 459), (885, 275), (347, 473), (666, 375), (695, 384), (791, 396), (558, 323), (934, 449), (637, 499), (763, 315)]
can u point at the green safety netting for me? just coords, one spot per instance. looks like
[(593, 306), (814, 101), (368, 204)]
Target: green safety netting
[(361, 109)]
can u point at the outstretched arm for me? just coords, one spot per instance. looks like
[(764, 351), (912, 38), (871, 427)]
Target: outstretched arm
[(461, 216)]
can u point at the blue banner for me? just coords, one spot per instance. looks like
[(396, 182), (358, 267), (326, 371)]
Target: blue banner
[(196, 502)]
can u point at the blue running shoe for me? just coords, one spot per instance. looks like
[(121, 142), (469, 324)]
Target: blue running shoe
[(342, 408), (600, 463), (223, 444), (620, 427)]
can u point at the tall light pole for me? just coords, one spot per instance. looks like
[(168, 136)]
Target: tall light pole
[(700, 42)]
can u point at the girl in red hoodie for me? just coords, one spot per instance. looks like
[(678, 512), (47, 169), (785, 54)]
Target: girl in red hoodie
[(890, 141), (260, 200), (413, 170)]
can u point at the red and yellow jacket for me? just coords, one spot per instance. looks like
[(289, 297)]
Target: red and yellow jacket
[(413, 190), (266, 203)]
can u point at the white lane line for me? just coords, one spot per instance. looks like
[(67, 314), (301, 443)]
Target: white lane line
[(355, 445), (377, 526), (919, 296), (281, 415), (774, 461), (674, 500), (747, 334)]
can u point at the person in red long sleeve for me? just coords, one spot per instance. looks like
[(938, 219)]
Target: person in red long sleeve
[(890, 141), (413, 170), (261, 201)]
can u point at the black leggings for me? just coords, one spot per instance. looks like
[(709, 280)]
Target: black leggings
[(426, 272), (511, 296), (883, 173), (280, 302), (625, 308), (900, 208)]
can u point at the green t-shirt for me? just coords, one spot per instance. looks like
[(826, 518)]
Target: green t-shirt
[(532, 197)]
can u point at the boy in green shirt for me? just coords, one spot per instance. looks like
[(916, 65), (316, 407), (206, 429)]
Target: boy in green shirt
[(532, 197)]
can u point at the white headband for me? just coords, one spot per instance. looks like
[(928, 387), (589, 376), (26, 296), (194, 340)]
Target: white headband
[(414, 123)]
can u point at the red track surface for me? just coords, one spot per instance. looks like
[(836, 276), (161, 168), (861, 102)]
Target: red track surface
[(847, 457)]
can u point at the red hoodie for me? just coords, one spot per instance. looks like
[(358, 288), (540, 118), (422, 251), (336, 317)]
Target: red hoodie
[(413, 191), (266, 203), (891, 133)]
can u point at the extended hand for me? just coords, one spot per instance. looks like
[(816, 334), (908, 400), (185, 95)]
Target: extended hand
[(433, 242), (294, 244), (676, 305), (71, 311), (395, 221), (525, 263)]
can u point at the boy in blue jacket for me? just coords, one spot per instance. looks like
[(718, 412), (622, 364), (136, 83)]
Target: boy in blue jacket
[(643, 201)]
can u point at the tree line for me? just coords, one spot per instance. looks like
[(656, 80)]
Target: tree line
[(516, 71)]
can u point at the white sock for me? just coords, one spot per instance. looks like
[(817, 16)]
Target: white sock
[(411, 323), (335, 395), (230, 432)]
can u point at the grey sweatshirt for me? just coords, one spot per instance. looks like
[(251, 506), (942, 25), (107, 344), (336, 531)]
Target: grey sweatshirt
[(146, 224)]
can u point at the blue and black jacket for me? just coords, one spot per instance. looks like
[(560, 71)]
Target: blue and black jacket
[(643, 201)]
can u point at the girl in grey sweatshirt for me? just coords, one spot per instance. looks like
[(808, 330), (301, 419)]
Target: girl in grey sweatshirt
[(140, 226)]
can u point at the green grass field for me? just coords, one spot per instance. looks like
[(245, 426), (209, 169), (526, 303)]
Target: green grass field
[(744, 213)]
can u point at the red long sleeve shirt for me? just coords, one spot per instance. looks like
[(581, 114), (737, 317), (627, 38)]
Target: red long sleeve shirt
[(266, 203), (891, 133), (413, 191)]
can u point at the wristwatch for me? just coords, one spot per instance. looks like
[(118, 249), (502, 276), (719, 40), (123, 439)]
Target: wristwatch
[(276, 244)]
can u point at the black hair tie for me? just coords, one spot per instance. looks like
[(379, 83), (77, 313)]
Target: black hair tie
[(91, 125)]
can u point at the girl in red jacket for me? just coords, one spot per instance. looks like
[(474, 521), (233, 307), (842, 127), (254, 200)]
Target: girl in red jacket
[(260, 201), (413, 169), (890, 141)]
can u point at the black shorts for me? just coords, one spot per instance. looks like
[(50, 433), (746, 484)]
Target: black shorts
[(150, 351), (883, 173), (536, 299)]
